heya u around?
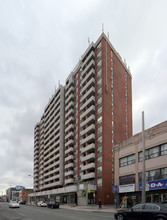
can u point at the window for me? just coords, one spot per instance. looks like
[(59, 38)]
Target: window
[(99, 91), (99, 169), (127, 160), (99, 159), (99, 81), (99, 182), (99, 140), (99, 72), (123, 180), (150, 153), (99, 100), (164, 149), (164, 173), (138, 207), (99, 149), (99, 54), (99, 119), (111, 53), (99, 129), (99, 110), (99, 45), (99, 63), (76, 176), (155, 174)]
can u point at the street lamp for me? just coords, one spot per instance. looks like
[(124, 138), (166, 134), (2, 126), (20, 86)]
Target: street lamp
[(34, 187)]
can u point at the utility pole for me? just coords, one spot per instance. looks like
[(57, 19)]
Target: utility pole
[(143, 162)]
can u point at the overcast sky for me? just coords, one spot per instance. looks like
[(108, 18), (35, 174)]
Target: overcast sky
[(41, 41)]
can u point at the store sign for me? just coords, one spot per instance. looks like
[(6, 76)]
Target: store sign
[(153, 185), (18, 188), (127, 188), (115, 189)]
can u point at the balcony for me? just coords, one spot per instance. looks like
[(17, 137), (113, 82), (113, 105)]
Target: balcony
[(88, 148), (56, 144), (70, 104), (70, 98), (87, 77), (52, 165), (69, 143), (70, 90), (51, 185), (69, 165), (71, 119), (51, 172), (88, 166), (69, 150), (69, 135), (88, 85), (70, 83), (88, 139), (67, 181), (69, 128), (69, 173), (52, 153), (51, 178), (88, 176), (69, 113), (52, 159), (88, 130), (69, 158), (89, 120), (88, 157), (88, 103), (88, 112), (88, 94), (90, 56), (88, 67)]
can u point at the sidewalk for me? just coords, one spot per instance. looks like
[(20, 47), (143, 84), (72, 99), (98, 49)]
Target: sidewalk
[(91, 208)]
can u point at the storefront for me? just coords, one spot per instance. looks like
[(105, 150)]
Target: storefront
[(157, 190)]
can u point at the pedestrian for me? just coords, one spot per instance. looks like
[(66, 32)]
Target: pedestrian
[(115, 202), (100, 207)]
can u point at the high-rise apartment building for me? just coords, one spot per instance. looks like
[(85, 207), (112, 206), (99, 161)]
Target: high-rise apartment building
[(73, 156)]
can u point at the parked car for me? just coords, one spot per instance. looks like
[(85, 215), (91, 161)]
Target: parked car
[(22, 202), (144, 211), (53, 205), (14, 204), (41, 204), (165, 203)]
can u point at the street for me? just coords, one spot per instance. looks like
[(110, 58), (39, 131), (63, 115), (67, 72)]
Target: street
[(27, 212)]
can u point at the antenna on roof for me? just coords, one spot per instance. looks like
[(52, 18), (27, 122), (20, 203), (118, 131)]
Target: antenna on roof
[(59, 83), (108, 35), (88, 41), (103, 28)]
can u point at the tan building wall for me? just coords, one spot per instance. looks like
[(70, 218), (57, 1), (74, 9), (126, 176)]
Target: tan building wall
[(23, 195), (155, 136)]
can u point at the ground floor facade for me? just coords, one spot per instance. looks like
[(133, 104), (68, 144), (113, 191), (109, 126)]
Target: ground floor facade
[(155, 192), (82, 194)]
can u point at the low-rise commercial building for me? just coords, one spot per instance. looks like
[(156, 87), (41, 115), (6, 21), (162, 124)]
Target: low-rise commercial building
[(128, 166), (23, 194)]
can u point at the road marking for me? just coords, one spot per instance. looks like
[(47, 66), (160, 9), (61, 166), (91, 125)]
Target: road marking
[(21, 214)]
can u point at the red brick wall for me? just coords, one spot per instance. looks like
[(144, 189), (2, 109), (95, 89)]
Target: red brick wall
[(105, 193)]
